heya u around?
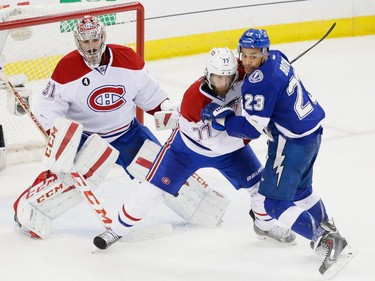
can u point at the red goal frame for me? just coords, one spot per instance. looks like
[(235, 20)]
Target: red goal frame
[(95, 11)]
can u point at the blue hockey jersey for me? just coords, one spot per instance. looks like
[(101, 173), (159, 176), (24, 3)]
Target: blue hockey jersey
[(274, 96)]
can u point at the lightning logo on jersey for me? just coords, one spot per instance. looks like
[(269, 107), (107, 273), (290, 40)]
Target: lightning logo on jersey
[(278, 165)]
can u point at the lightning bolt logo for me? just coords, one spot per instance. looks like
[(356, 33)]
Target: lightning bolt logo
[(278, 164)]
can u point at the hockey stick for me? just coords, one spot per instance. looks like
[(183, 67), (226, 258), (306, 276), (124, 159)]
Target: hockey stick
[(321, 39), (80, 182), (23, 104)]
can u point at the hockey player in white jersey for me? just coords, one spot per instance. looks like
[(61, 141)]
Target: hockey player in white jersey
[(195, 144), (98, 86)]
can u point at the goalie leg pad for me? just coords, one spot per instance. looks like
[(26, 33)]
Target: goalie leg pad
[(198, 204), (46, 192), (62, 145), (142, 162), (52, 195), (35, 207), (56, 199), (210, 210), (31, 221), (95, 159)]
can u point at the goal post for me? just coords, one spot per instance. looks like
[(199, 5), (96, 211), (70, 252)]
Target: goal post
[(32, 41)]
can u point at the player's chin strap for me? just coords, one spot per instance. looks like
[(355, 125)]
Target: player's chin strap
[(196, 201), (68, 180)]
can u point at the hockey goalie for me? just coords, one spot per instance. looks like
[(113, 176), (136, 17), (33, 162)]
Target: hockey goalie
[(54, 192)]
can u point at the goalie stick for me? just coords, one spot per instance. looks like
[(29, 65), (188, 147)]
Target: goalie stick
[(77, 178), (23, 104)]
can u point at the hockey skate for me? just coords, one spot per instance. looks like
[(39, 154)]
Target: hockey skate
[(333, 249), (106, 239), (275, 234)]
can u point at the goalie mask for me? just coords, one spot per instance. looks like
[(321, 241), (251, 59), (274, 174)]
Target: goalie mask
[(221, 70), (90, 36)]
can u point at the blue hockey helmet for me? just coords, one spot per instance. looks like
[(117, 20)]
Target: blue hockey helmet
[(255, 38)]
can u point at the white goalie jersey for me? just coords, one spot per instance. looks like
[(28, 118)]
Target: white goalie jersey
[(94, 97)]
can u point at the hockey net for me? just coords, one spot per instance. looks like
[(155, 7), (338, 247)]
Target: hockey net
[(32, 40)]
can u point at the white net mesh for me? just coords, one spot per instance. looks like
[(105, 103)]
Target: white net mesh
[(31, 53)]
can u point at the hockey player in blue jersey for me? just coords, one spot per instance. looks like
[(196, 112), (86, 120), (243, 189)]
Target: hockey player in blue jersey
[(277, 104)]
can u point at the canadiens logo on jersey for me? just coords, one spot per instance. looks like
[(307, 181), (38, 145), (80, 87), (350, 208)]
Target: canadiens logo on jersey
[(166, 181), (107, 98)]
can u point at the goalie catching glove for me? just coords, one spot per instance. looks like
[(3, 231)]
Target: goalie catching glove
[(167, 118)]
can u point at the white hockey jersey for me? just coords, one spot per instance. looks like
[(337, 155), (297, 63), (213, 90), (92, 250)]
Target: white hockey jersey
[(102, 99), (199, 136)]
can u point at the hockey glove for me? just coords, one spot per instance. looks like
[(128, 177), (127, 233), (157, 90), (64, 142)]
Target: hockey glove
[(167, 118), (216, 114)]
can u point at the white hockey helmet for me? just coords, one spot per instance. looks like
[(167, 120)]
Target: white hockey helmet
[(90, 37), (221, 61)]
